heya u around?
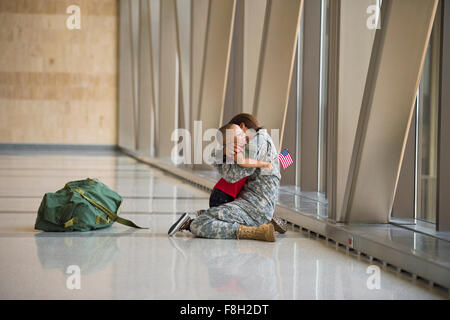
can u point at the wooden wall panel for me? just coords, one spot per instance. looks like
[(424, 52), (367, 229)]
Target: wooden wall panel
[(58, 85)]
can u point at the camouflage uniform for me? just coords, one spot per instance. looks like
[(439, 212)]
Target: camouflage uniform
[(255, 203)]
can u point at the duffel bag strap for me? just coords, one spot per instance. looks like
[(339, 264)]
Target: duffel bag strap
[(113, 216)]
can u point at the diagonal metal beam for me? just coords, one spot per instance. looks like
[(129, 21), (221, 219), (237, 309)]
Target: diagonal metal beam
[(394, 72), (216, 60), (276, 62)]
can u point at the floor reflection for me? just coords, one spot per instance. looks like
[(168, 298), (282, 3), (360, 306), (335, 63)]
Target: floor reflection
[(124, 263), (91, 251), (244, 269)]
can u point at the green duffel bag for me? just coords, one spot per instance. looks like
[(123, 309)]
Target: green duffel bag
[(82, 205)]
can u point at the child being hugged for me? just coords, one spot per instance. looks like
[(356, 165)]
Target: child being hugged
[(225, 191)]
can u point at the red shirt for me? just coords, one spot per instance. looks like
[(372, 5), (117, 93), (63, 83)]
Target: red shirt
[(231, 189)]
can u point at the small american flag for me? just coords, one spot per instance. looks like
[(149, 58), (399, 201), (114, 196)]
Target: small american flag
[(285, 158)]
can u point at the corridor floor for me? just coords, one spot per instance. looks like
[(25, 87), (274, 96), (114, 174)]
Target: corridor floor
[(124, 263)]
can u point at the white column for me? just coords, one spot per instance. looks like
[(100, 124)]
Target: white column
[(276, 63), (394, 72)]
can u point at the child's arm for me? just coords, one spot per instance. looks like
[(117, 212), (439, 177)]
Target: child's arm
[(251, 163)]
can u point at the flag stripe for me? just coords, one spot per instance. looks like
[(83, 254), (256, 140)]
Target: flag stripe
[(285, 160)]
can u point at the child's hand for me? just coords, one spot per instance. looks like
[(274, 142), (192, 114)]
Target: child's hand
[(239, 158)]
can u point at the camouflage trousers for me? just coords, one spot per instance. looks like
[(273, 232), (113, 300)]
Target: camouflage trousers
[(222, 222)]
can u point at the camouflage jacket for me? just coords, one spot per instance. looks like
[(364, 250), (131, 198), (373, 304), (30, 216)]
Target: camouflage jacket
[(261, 188)]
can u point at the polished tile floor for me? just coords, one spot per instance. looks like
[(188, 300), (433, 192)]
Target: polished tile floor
[(124, 263)]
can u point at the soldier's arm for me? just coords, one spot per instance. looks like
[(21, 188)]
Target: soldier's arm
[(251, 163)]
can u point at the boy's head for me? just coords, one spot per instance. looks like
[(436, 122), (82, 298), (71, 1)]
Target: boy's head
[(229, 132)]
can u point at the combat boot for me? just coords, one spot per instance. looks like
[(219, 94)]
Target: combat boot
[(264, 232)]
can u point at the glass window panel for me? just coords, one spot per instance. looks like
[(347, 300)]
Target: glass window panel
[(427, 121), (323, 89)]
